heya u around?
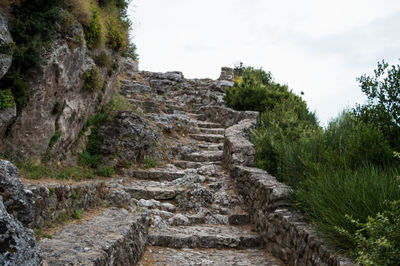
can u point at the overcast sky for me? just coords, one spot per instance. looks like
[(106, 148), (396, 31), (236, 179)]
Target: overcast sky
[(315, 46)]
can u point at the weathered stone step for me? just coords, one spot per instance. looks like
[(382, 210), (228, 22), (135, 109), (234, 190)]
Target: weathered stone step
[(218, 131), (196, 116), (205, 236), (115, 237), (214, 138), (208, 125), (187, 257), (152, 190), (210, 218), (155, 174), (205, 156), (211, 146), (190, 164)]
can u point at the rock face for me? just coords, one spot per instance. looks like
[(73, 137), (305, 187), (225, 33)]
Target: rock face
[(5, 39), (17, 243), (6, 117), (131, 138), (58, 103), (17, 200)]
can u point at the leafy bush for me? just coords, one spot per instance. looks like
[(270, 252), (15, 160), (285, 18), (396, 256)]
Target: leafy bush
[(103, 59), (6, 99), (54, 138), (94, 35), (106, 171), (329, 196), (130, 52), (115, 36), (92, 79), (377, 240)]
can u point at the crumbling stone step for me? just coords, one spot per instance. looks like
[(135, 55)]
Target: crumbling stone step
[(152, 190), (115, 237), (205, 156), (190, 164), (184, 257), (211, 147), (208, 137), (208, 125), (205, 236), (196, 116), (218, 131), (155, 174)]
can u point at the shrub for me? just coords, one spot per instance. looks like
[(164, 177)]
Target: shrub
[(77, 214), (377, 241), (115, 36), (92, 79), (130, 52), (81, 10), (103, 59), (329, 196), (54, 138), (94, 35), (106, 171), (6, 99)]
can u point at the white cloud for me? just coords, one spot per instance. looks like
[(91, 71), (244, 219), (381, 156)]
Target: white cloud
[(315, 46)]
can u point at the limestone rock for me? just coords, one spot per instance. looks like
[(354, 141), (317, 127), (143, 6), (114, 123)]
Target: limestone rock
[(17, 200), (6, 117), (130, 137), (17, 243), (5, 39)]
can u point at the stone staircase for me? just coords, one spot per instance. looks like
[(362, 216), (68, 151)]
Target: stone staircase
[(186, 210)]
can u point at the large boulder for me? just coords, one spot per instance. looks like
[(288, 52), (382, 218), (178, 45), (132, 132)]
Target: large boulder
[(17, 199), (5, 40), (17, 243), (130, 138)]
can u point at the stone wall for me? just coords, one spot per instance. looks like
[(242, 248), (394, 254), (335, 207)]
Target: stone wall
[(226, 116), (284, 231), (55, 202)]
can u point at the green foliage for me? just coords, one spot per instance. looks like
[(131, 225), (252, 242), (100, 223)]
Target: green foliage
[(77, 214), (329, 196), (6, 99), (58, 108), (150, 162), (94, 30), (378, 239), (92, 79), (131, 52), (115, 36), (259, 74), (54, 138), (106, 171), (103, 59)]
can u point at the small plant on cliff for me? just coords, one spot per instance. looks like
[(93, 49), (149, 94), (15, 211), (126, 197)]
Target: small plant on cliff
[(92, 79), (6, 99), (94, 35)]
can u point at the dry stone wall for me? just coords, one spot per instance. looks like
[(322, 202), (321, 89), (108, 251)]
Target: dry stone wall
[(284, 231)]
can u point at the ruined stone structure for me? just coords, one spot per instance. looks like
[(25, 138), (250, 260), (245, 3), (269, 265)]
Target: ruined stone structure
[(203, 204)]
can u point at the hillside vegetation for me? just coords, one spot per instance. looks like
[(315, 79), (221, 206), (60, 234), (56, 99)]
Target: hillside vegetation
[(36, 24), (343, 174)]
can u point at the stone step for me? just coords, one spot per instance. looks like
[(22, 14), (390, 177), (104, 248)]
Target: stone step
[(152, 190), (155, 174), (218, 131), (210, 218), (200, 117), (190, 164), (211, 146), (158, 256), (115, 237), (208, 125), (205, 236), (213, 138), (205, 156)]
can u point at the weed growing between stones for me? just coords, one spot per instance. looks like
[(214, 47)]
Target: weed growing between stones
[(77, 214), (150, 162)]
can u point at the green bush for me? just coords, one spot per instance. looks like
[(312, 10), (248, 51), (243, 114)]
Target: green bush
[(377, 241), (130, 52), (94, 30), (103, 59), (329, 196), (115, 36), (6, 99), (106, 171), (54, 138), (92, 79)]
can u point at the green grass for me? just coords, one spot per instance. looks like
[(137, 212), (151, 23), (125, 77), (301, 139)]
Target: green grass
[(150, 163), (328, 197)]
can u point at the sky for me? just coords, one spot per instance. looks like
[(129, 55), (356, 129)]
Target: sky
[(318, 47)]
